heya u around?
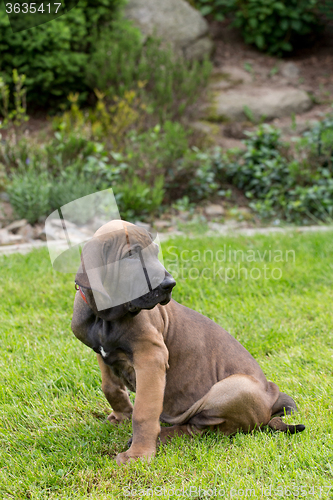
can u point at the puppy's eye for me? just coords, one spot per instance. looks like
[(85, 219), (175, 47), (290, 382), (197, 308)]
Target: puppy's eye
[(133, 254)]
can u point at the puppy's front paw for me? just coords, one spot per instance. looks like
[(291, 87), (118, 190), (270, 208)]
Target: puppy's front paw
[(116, 418), (128, 456)]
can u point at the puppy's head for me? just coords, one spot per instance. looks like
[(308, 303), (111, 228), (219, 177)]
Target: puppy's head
[(120, 271)]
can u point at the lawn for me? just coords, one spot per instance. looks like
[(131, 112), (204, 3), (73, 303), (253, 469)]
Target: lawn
[(55, 440)]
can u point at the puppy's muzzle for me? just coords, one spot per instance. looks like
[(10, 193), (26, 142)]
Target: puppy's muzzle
[(167, 284)]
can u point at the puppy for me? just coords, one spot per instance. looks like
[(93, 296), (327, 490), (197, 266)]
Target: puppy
[(185, 369)]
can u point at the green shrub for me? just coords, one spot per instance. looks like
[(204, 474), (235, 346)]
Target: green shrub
[(274, 25), (34, 194), (69, 186), (29, 195), (155, 150), (18, 115), (138, 198), (294, 184), (325, 8), (92, 47), (53, 56), (160, 166), (169, 84), (166, 151), (218, 9)]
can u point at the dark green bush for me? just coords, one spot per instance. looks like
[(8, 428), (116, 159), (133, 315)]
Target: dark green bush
[(294, 184), (325, 8), (274, 25), (53, 56), (218, 9), (93, 47), (136, 198)]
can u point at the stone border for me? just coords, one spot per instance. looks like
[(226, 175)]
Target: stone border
[(24, 248), (222, 230)]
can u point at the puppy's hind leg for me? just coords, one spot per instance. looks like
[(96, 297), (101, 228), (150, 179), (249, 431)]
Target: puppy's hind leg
[(236, 403), (285, 405), (178, 430)]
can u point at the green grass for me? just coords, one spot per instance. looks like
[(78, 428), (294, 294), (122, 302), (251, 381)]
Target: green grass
[(54, 438)]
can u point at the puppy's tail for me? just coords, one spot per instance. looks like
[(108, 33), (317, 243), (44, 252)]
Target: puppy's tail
[(277, 424), (285, 405)]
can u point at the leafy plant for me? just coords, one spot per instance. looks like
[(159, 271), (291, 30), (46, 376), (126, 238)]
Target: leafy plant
[(218, 9), (295, 184), (169, 84), (105, 121), (53, 56), (136, 198), (274, 25), (18, 114), (29, 194)]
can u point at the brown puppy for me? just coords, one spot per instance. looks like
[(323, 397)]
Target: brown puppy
[(185, 369)]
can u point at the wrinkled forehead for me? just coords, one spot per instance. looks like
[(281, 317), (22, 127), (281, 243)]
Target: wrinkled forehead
[(112, 242), (119, 234)]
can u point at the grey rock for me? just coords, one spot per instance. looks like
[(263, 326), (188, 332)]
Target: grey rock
[(4, 237), (4, 197), (24, 248), (184, 215), (214, 210), (290, 71), (27, 232), (54, 231), (9, 239), (199, 49), (206, 128), (261, 101), (16, 225), (289, 129), (229, 76), (175, 22), (162, 224)]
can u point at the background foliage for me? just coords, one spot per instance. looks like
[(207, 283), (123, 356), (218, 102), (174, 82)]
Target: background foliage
[(294, 183), (154, 168), (274, 26), (53, 56)]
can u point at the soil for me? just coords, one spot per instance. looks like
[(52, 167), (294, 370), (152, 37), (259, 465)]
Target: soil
[(315, 64)]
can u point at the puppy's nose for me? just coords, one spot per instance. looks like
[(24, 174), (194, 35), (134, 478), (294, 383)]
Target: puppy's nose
[(167, 284)]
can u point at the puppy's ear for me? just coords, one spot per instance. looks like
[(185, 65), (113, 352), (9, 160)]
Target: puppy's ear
[(92, 271)]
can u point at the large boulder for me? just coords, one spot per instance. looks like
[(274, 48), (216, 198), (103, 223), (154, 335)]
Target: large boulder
[(173, 21), (259, 102)]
